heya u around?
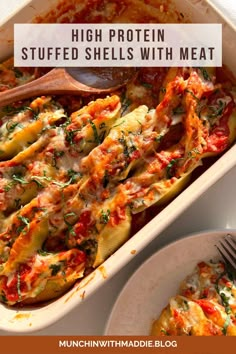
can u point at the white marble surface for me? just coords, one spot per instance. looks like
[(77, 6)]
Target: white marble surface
[(215, 209)]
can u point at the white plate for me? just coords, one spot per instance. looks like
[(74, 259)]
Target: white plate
[(148, 290)]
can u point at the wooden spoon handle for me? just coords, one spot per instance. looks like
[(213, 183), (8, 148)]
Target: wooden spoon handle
[(56, 81)]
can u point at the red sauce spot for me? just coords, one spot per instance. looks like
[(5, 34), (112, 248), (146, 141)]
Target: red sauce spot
[(218, 141), (76, 257), (207, 306), (82, 226), (117, 216)]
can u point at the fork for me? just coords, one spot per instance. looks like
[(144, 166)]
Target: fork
[(227, 250)]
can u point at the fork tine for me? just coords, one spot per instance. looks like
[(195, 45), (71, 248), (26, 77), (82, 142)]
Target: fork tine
[(227, 244), (224, 255), (227, 249), (231, 242)]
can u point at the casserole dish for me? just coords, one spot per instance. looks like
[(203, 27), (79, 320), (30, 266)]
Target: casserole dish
[(32, 319)]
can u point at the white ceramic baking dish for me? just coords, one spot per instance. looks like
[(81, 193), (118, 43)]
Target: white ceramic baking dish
[(31, 319)]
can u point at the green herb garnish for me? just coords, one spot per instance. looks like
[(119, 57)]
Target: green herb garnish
[(122, 140), (217, 111), (169, 168), (125, 104), (25, 221), (3, 297), (226, 325), (19, 179), (73, 175), (55, 268), (105, 216), (117, 125), (43, 253), (185, 305), (56, 155), (38, 180), (11, 126), (159, 138), (191, 93), (205, 74), (70, 134), (95, 132), (68, 224)]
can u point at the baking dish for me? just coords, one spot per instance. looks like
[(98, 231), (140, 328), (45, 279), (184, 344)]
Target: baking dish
[(33, 319)]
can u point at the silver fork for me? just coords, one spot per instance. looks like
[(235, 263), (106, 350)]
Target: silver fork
[(227, 249)]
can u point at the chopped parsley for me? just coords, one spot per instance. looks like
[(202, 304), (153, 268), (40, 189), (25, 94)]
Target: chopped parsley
[(122, 140), (55, 268), (216, 112), (185, 305), (3, 297), (226, 325), (105, 216), (169, 168), (70, 134), (10, 126), (125, 104), (193, 153), (68, 224), (9, 110), (8, 187), (192, 94), (95, 132), (18, 178), (159, 138), (25, 221), (73, 175), (117, 125), (205, 74), (225, 303), (56, 155), (68, 215), (65, 184), (43, 253)]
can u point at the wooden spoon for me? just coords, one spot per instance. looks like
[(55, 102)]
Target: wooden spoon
[(76, 81)]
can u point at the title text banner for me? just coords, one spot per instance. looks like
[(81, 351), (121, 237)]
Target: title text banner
[(91, 45)]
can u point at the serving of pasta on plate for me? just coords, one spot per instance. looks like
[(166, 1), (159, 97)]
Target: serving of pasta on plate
[(204, 306)]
